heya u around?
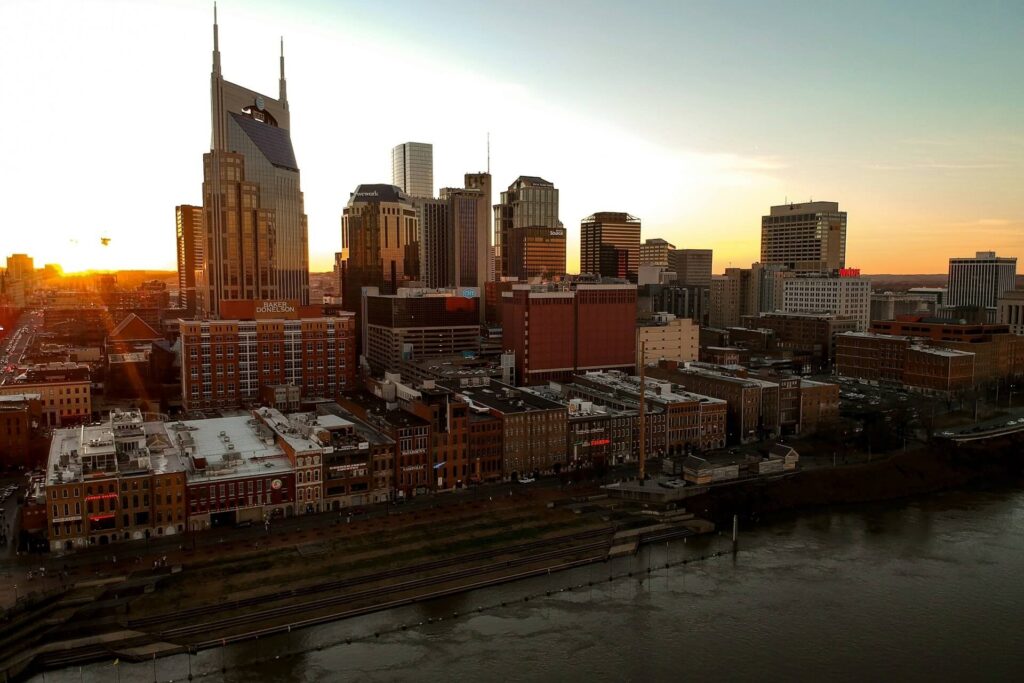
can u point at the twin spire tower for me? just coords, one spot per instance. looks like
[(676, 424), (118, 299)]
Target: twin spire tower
[(256, 240)]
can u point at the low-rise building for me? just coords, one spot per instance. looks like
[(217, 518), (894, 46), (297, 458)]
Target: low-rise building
[(533, 428), (752, 404), (692, 421), (237, 471), (117, 480), (64, 389), (359, 466), (902, 361), (667, 337), (20, 416)]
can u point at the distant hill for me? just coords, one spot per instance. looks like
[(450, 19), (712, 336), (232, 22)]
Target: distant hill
[(903, 282)]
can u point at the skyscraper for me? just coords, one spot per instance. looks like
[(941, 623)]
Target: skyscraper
[(979, 282), (380, 241), (691, 266), (529, 202), (412, 168), (536, 252), (469, 213), (189, 224), (806, 238), (655, 252), (437, 247), (484, 270), (619, 231), (256, 242)]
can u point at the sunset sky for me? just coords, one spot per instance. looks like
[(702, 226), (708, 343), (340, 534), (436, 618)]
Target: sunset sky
[(694, 116)]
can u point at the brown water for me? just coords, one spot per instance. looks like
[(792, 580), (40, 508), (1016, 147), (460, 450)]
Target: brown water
[(926, 590)]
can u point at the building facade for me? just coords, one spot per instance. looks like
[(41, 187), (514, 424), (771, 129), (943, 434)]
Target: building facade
[(979, 282), (842, 295), (691, 266), (655, 252), (557, 331), (536, 252), (256, 237), (380, 234), (667, 337), (64, 390), (412, 168), (190, 232), (1011, 310), (419, 323), (806, 238), (226, 363), (611, 232), (529, 202)]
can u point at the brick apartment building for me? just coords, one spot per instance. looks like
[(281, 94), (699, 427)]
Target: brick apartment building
[(903, 361), (998, 353), (20, 414), (692, 421), (810, 334), (533, 428), (226, 363)]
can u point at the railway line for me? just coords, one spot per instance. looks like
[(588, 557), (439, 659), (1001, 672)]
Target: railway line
[(339, 584), (175, 634)]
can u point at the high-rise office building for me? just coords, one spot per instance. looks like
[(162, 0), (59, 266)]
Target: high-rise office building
[(412, 168), (189, 225), (380, 235), (484, 244), (536, 252), (256, 242), (691, 266), (469, 213), (21, 267), (806, 238), (620, 232), (655, 252), (529, 202), (419, 323), (437, 268), (979, 282)]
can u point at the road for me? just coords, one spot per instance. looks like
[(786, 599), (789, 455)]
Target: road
[(13, 349)]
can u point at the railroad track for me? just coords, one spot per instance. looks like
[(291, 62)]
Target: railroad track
[(174, 634), (360, 580)]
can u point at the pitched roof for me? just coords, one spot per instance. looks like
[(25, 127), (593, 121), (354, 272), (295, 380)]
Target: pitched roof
[(133, 328)]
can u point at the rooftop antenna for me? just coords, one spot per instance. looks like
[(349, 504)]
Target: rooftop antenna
[(488, 152)]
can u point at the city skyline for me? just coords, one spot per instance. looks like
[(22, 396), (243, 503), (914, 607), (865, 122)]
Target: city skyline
[(912, 138)]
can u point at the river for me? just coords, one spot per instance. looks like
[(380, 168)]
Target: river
[(917, 590)]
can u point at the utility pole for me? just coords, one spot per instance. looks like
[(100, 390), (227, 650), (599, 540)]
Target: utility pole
[(643, 429)]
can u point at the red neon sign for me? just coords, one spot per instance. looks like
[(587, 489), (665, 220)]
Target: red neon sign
[(600, 442), (97, 518), (101, 496), (849, 272)]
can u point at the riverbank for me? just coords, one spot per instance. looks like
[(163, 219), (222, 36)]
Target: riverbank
[(931, 468), (193, 610)]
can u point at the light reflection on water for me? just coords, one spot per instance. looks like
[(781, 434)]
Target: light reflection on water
[(915, 591)]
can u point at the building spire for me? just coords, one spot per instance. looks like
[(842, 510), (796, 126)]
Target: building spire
[(216, 43), (283, 86)]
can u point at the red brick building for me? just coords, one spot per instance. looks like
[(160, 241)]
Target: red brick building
[(997, 352), (225, 363), (556, 331), (889, 359)]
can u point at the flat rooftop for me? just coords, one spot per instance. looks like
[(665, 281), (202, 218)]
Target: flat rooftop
[(230, 447)]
